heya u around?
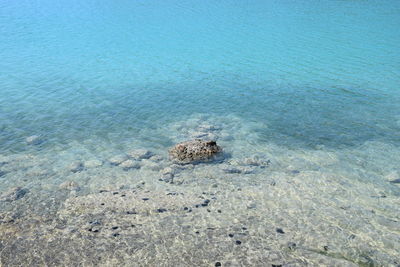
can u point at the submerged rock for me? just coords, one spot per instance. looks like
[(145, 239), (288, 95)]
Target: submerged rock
[(129, 164), (76, 166), (117, 160), (93, 163), (156, 158), (13, 194), (140, 154), (69, 185), (33, 140), (195, 150)]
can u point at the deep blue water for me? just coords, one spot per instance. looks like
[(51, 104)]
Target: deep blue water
[(315, 72)]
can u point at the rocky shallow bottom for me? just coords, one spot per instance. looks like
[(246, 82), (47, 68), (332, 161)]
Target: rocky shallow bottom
[(260, 204)]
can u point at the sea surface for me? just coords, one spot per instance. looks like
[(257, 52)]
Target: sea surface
[(303, 97)]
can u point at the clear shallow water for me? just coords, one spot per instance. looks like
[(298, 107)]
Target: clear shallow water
[(312, 86)]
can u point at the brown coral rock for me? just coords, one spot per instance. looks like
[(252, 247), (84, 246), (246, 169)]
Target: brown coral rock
[(194, 150)]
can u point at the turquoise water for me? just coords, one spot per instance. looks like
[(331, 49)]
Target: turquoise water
[(311, 85), (315, 72)]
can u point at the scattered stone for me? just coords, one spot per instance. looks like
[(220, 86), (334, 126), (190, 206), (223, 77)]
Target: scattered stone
[(236, 170), (117, 160), (238, 242), (76, 166), (167, 175), (94, 229), (129, 164), (231, 235), (292, 245), (92, 163), (231, 170), (280, 231), (326, 248), (114, 227), (205, 203), (195, 150), (208, 127), (33, 140), (168, 178), (69, 185), (218, 264), (138, 154), (150, 165), (199, 135), (256, 161), (252, 206), (161, 210), (156, 158), (14, 194), (4, 160), (167, 170)]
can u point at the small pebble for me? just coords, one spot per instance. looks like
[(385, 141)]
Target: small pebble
[(280, 231), (131, 212), (145, 199), (231, 235), (219, 211), (114, 227), (292, 245), (115, 235), (161, 210), (326, 248), (238, 242), (218, 264)]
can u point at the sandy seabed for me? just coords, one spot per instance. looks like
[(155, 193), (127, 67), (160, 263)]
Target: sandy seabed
[(260, 204)]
